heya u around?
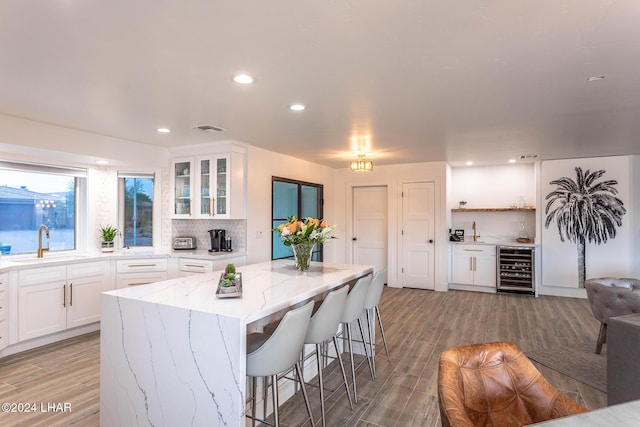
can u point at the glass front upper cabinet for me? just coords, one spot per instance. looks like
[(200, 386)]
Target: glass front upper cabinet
[(182, 184)]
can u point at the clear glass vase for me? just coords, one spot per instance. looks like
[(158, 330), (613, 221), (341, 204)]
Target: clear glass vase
[(523, 236), (302, 253)]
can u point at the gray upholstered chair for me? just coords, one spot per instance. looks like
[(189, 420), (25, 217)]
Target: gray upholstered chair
[(611, 297)]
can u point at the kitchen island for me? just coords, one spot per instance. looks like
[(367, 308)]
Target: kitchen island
[(172, 353)]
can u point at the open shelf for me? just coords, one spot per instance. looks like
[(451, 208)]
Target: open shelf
[(493, 210)]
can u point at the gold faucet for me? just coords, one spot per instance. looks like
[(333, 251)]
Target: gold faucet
[(475, 235), (40, 248)]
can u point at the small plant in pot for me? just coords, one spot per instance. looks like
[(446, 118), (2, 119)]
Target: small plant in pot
[(108, 234), (230, 277)]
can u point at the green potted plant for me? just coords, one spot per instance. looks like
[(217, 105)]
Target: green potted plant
[(108, 233)]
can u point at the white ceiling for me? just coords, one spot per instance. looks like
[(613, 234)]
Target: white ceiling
[(420, 81)]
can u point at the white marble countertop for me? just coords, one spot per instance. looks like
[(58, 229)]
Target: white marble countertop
[(266, 288), (12, 262)]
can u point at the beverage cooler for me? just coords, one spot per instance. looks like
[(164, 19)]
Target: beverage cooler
[(515, 269)]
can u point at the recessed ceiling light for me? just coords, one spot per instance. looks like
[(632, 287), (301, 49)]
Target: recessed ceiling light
[(243, 79), (512, 160), (596, 78), (164, 130), (297, 107), (102, 162), (469, 163)]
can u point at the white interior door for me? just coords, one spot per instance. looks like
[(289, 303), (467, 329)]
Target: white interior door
[(370, 226), (418, 212)]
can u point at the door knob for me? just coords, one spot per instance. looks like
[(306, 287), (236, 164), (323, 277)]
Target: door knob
[(430, 240), (354, 239)]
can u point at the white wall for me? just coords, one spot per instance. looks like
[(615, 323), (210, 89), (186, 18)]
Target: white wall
[(29, 141), (613, 258), (262, 165), (393, 176), (493, 187), (64, 145), (635, 218)]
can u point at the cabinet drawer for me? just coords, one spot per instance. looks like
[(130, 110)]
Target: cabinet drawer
[(4, 334), (3, 305), (136, 279), (141, 265), (36, 276), (87, 269), (474, 249), (195, 265), (4, 281)]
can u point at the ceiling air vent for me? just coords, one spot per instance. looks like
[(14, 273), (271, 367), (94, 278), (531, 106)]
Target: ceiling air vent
[(528, 156), (208, 128)]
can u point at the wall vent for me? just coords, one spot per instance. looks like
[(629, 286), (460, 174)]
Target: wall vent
[(528, 156), (208, 128)]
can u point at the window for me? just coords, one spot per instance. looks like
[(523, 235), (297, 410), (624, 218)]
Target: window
[(136, 208), (290, 197), (33, 195)]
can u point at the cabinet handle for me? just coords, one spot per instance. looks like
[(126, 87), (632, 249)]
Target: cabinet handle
[(138, 283), (473, 250), (71, 294), (142, 265), (194, 265), (64, 295), (470, 263), (210, 205), (213, 209), (474, 264)]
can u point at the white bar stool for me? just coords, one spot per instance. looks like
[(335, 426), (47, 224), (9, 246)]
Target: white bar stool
[(371, 311), (322, 328), (352, 310), (269, 355)]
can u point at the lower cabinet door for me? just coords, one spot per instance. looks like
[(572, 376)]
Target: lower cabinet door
[(83, 301), (485, 270), (462, 269), (41, 310)]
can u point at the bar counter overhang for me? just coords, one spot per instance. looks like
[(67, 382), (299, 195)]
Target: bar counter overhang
[(172, 353)]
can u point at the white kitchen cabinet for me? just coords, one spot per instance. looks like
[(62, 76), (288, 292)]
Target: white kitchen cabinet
[(52, 299), (208, 186), (191, 266), (140, 271), (4, 313), (182, 182), (474, 265)]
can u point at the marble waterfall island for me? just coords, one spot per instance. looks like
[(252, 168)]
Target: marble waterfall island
[(173, 354)]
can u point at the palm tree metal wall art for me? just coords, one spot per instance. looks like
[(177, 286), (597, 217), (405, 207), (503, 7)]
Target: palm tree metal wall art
[(586, 211)]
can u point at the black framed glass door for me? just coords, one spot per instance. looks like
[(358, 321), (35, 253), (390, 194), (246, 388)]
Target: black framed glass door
[(291, 197)]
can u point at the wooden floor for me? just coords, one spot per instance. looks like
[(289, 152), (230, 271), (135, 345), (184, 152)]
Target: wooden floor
[(419, 325)]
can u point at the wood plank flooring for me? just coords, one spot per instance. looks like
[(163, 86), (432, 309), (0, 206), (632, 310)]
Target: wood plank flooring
[(419, 325)]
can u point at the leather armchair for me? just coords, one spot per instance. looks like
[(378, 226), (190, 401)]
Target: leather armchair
[(495, 385), (611, 297)]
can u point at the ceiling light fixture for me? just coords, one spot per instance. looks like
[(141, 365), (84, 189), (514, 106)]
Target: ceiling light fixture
[(297, 107), (164, 130), (102, 162), (469, 163), (512, 160), (243, 79), (361, 165), (596, 78)]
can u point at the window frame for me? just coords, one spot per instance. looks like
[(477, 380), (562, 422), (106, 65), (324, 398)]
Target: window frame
[(80, 178), (319, 208), (121, 176)]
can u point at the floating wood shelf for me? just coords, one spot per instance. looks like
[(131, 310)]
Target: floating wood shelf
[(494, 210)]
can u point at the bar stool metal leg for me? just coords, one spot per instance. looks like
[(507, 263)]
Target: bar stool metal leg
[(384, 338), (344, 374)]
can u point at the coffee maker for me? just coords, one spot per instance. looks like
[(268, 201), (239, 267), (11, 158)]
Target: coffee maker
[(218, 240)]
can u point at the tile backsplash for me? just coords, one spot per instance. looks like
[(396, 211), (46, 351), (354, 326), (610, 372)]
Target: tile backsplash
[(199, 228)]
